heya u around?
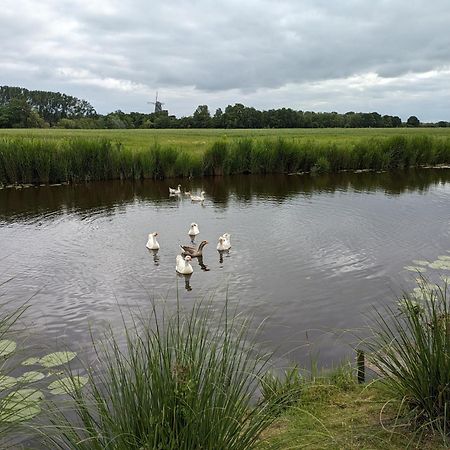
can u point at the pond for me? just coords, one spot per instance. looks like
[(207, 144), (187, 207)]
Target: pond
[(311, 255)]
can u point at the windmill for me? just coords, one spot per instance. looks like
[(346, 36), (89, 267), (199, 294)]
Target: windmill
[(158, 105)]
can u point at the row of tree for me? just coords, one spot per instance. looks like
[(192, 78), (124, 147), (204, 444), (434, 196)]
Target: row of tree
[(51, 107), (21, 108)]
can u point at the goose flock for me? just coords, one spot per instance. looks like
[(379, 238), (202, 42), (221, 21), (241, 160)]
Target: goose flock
[(187, 253), (194, 198)]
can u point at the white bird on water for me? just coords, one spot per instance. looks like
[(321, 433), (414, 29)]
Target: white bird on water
[(152, 243), (183, 265), (193, 230), (176, 191), (196, 198), (227, 243)]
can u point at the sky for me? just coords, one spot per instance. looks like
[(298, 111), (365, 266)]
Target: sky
[(388, 56)]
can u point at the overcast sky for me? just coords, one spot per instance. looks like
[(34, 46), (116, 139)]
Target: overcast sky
[(389, 56)]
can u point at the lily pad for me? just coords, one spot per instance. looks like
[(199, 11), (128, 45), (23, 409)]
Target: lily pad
[(7, 347), (20, 405), (7, 382), (415, 269), (420, 262), (440, 265), (57, 359), (30, 377), (67, 385), (31, 361)]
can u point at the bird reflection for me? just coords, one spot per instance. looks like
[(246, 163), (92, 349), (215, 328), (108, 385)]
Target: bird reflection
[(221, 253), (187, 279), (155, 257), (202, 264)]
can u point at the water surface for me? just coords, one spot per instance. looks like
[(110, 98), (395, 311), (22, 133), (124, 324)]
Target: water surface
[(311, 254)]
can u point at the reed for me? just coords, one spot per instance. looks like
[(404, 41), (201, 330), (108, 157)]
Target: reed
[(39, 160), (411, 348), (181, 381)]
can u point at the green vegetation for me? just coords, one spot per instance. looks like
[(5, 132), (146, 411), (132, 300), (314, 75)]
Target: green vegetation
[(333, 416), (411, 348), (181, 381), (61, 157)]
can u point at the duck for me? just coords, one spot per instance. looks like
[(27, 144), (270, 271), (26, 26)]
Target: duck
[(192, 251), (152, 243), (196, 198), (227, 243), (183, 265), (176, 191), (193, 230)]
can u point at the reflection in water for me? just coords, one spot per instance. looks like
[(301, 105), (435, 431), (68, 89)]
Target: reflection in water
[(341, 244), (221, 253), (201, 263), (113, 196), (155, 256), (187, 280)]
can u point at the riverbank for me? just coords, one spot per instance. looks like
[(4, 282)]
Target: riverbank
[(35, 160), (350, 416)]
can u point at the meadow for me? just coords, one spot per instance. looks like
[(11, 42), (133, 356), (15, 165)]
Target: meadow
[(201, 139), (54, 156)]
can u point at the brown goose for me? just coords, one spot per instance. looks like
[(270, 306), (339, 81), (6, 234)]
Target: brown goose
[(192, 251)]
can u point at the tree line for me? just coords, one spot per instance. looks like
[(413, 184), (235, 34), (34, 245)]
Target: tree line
[(21, 108)]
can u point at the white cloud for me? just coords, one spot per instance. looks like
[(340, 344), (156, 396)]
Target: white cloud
[(308, 54)]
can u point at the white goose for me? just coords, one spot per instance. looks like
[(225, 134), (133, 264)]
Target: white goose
[(227, 243), (183, 266), (196, 198), (152, 243), (193, 230), (176, 191), (221, 245)]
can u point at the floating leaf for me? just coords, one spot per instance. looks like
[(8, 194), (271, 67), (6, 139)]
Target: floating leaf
[(7, 347), (415, 269), (57, 359), (20, 405), (419, 262), (31, 361), (7, 382), (30, 377), (440, 265), (67, 385)]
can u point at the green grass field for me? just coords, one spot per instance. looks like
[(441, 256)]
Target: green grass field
[(56, 155), (201, 139)]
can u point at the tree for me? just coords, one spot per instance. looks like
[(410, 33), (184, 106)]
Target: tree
[(413, 121), (201, 117)]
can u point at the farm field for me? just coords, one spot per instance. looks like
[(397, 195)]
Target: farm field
[(201, 139)]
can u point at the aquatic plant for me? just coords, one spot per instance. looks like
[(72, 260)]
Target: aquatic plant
[(411, 348), (75, 159), (181, 381)]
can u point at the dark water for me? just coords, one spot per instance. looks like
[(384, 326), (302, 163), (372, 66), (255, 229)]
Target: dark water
[(312, 255)]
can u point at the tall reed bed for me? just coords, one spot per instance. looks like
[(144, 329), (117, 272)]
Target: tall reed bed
[(28, 160), (183, 381), (411, 348)]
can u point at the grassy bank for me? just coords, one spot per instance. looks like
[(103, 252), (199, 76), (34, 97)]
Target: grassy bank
[(332, 416), (42, 160)]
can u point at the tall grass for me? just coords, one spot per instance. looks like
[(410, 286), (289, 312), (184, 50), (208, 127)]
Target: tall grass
[(182, 381), (32, 160), (411, 348)]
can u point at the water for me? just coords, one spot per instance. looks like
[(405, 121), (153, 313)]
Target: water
[(311, 255)]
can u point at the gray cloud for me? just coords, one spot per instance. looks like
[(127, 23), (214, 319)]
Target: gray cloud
[(391, 56)]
